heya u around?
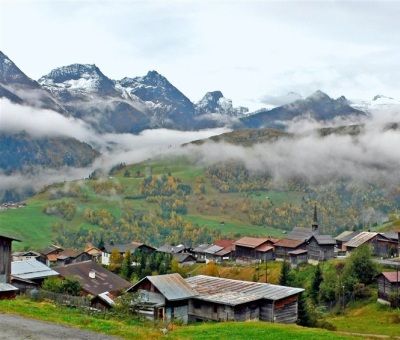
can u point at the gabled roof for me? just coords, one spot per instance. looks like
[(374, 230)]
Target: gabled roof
[(122, 248), (393, 235), (324, 239), (50, 250), (31, 269), (360, 239), (224, 243), (392, 277), (299, 233), (251, 242), (172, 286), (182, 257), (9, 238), (235, 292), (25, 253), (167, 248), (201, 248), (287, 243), (103, 280), (213, 249), (264, 248), (346, 235)]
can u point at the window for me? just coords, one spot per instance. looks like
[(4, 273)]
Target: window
[(215, 308)]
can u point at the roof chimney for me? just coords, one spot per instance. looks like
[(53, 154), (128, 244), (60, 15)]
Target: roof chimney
[(92, 274), (314, 226)]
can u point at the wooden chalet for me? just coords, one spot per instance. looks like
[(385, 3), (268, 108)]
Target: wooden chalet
[(254, 249), (344, 237), (199, 252), (285, 246), (388, 287), (380, 244), (133, 247), (184, 259), (96, 281), (7, 290)]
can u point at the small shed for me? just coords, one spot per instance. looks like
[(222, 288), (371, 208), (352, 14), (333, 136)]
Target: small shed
[(298, 256), (185, 259), (388, 285)]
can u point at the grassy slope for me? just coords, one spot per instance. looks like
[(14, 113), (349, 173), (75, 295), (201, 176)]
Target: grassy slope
[(35, 228), (371, 318), (133, 329)]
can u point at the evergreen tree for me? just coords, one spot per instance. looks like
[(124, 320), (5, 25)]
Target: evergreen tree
[(284, 278), (101, 243), (126, 267), (315, 284), (304, 317)]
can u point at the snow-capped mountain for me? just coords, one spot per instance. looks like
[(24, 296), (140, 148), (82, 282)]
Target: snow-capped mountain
[(169, 106), (17, 87), (318, 106), (379, 102), (215, 102)]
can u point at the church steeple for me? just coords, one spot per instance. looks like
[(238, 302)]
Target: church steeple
[(314, 225)]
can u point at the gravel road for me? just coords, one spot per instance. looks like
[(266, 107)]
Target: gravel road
[(17, 327)]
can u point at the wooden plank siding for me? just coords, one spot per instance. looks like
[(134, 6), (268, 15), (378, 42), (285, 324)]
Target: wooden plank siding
[(5, 260)]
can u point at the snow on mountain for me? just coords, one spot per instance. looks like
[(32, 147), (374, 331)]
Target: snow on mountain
[(215, 102), (378, 103)]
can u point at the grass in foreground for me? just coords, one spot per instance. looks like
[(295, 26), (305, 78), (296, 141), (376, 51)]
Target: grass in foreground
[(372, 318), (252, 330), (134, 329), (45, 311)]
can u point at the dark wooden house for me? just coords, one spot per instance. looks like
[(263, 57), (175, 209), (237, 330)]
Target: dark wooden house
[(7, 290), (321, 247), (388, 286), (255, 248), (344, 237), (220, 299), (285, 246), (298, 256)]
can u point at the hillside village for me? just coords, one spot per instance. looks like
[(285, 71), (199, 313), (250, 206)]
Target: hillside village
[(162, 289)]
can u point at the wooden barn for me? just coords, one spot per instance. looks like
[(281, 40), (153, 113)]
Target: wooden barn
[(388, 286), (220, 299), (285, 246), (381, 245), (297, 257), (164, 297), (7, 291), (321, 247)]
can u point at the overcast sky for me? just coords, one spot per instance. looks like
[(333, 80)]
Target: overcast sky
[(251, 51)]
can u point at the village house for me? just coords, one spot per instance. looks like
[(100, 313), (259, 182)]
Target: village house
[(227, 252), (388, 287), (29, 274), (93, 251), (25, 255), (96, 281), (285, 246), (167, 248), (207, 298), (7, 291), (199, 252), (123, 248), (250, 249), (184, 259), (49, 255), (381, 245)]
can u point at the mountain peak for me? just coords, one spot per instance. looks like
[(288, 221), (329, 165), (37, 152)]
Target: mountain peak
[(11, 74), (318, 95)]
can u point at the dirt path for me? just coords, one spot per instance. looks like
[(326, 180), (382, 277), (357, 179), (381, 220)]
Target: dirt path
[(17, 327)]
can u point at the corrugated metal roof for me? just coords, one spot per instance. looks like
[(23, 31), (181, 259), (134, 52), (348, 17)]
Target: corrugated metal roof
[(360, 239), (392, 277), (31, 269), (251, 242), (6, 287), (393, 235), (346, 235), (235, 292), (172, 286), (201, 248), (213, 249)]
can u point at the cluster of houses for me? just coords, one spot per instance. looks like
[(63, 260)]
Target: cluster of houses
[(171, 296)]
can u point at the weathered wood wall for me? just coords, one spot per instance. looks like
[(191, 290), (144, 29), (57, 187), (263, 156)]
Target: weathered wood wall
[(5, 260)]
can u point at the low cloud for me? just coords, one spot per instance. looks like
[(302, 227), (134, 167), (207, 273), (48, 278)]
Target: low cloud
[(278, 100)]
